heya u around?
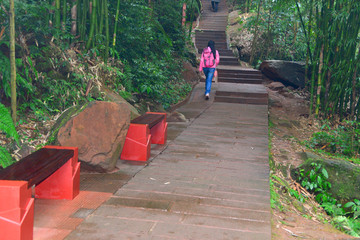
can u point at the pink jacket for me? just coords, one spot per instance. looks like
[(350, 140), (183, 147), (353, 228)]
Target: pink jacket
[(217, 60)]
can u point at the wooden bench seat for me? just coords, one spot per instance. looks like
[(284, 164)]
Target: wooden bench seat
[(151, 119), (144, 130), (55, 173)]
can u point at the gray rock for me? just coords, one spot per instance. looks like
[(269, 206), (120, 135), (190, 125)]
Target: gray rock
[(276, 86), (287, 72)]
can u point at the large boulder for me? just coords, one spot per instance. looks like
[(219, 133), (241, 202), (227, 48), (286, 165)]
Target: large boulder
[(343, 176), (287, 72), (112, 96), (98, 130)]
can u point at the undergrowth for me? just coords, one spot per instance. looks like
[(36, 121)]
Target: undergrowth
[(344, 216)]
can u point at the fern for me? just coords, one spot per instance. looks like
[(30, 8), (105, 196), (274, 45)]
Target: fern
[(5, 158), (7, 126)]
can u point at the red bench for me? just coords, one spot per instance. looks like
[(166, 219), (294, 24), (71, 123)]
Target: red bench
[(144, 130), (55, 172)]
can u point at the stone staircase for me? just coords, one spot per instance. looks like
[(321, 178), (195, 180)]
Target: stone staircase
[(235, 84)]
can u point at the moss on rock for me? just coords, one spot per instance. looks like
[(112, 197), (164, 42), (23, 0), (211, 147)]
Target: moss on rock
[(343, 176)]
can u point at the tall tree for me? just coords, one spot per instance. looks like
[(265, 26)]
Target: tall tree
[(57, 14), (253, 45), (92, 24), (12, 61)]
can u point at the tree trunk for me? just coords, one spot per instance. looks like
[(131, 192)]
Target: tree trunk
[(57, 14), (92, 24), (303, 26), (353, 93), (183, 15), (73, 18), (107, 31), (318, 92), (12, 61), (191, 17), (253, 45), (64, 15), (115, 27)]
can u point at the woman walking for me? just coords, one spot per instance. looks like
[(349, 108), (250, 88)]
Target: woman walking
[(210, 58), (214, 5)]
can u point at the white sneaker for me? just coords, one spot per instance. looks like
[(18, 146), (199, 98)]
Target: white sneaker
[(207, 96)]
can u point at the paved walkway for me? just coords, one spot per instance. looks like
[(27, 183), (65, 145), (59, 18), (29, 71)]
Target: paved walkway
[(210, 181)]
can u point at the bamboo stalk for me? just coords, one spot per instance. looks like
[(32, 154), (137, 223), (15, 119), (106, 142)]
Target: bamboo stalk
[(253, 45), (318, 92), (12, 61), (92, 25), (115, 27), (107, 31)]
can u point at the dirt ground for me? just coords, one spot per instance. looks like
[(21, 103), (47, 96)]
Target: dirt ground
[(289, 125)]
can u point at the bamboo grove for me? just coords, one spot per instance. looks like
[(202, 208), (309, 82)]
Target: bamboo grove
[(323, 33), (335, 57), (142, 40)]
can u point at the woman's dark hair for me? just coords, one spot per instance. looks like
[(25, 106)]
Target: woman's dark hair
[(211, 44)]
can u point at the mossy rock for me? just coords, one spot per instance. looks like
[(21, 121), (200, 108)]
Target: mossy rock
[(343, 176), (112, 96), (62, 120)]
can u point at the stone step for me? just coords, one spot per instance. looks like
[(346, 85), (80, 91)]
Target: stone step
[(199, 31), (241, 94), (203, 45), (203, 37), (206, 40), (239, 80), (212, 26), (230, 63), (222, 52), (239, 75), (229, 60), (242, 100)]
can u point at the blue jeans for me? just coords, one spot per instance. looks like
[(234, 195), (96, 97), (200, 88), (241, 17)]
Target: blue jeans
[(214, 6), (209, 74)]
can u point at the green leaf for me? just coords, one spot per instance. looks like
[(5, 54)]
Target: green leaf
[(356, 214), (349, 204), (6, 123), (325, 173), (5, 158), (319, 180)]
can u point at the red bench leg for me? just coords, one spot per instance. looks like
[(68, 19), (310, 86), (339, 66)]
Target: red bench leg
[(137, 143), (16, 211), (159, 131), (64, 183)]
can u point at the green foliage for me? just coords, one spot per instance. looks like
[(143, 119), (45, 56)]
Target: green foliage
[(4, 74), (348, 225), (296, 195), (316, 181), (354, 208), (344, 139), (279, 39), (7, 127), (274, 195), (151, 44), (345, 216)]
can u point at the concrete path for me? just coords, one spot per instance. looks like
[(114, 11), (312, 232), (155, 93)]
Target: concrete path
[(210, 182)]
